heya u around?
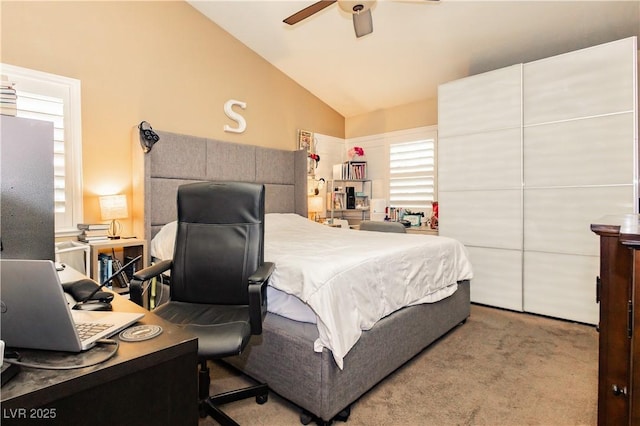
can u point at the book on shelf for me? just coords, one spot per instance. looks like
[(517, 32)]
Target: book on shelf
[(105, 267), (356, 170), (95, 233), (96, 239), (121, 280), (350, 170), (93, 226), (131, 269), (92, 239)]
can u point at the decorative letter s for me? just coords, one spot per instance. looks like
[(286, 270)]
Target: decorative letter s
[(242, 123)]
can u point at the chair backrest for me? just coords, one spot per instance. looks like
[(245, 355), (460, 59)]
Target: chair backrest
[(370, 225), (219, 242)]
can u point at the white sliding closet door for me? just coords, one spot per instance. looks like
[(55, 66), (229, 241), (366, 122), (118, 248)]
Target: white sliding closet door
[(528, 157), (480, 179), (579, 164)]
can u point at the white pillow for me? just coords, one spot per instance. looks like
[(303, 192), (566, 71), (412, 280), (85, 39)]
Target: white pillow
[(163, 244)]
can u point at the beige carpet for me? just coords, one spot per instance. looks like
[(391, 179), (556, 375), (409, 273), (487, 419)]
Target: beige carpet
[(500, 368)]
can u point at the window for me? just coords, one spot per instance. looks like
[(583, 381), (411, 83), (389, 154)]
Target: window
[(402, 166), (54, 98), (412, 174)]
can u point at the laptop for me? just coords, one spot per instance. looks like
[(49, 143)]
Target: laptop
[(35, 314)]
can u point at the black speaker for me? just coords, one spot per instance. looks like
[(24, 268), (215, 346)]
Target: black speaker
[(351, 197), (147, 136)]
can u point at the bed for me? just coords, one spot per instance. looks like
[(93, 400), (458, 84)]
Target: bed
[(329, 347)]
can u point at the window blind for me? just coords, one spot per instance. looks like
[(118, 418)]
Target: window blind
[(412, 174)]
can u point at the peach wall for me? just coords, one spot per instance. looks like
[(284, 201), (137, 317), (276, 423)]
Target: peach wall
[(162, 62), (408, 116)]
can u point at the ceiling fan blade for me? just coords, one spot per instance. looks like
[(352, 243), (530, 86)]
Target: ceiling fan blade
[(363, 23), (308, 11)]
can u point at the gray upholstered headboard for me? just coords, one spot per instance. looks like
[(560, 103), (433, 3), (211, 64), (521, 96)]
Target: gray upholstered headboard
[(178, 159)]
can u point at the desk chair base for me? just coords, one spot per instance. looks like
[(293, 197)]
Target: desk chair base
[(209, 405)]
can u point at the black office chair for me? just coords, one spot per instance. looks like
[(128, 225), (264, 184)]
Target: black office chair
[(218, 278)]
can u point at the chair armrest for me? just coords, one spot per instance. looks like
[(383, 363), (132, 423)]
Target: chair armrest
[(263, 273), (153, 270), (258, 295), (137, 284)]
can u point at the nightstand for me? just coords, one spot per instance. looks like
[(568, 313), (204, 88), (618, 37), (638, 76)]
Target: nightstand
[(424, 230), (124, 249)]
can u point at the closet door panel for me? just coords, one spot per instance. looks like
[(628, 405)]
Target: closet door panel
[(486, 160), (561, 286), (580, 152), (482, 218), (559, 220), (487, 101), (497, 277), (588, 82)]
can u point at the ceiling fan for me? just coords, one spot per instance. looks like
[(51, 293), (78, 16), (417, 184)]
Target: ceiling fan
[(359, 9)]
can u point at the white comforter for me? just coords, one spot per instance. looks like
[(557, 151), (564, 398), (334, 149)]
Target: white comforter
[(351, 279)]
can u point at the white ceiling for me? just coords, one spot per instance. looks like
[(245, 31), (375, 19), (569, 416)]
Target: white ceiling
[(416, 45)]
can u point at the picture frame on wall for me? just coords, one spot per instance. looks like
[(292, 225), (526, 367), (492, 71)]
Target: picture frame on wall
[(305, 140)]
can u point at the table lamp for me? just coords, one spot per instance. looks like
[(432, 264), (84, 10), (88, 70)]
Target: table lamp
[(113, 207), (315, 206)]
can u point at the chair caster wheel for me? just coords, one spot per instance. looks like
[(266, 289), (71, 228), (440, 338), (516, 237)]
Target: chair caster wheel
[(261, 399), (343, 415), (202, 412), (306, 417)]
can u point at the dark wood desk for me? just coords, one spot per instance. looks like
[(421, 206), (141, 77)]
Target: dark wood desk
[(152, 382)]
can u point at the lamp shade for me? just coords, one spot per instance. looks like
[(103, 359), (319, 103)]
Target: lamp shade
[(113, 207), (315, 205)]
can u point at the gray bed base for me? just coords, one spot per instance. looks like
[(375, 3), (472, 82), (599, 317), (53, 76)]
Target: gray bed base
[(283, 355)]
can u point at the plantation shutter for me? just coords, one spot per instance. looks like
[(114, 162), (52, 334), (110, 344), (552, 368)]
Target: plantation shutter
[(412, 174)]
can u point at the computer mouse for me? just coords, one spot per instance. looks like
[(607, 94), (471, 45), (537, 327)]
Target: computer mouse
[(92, 305)]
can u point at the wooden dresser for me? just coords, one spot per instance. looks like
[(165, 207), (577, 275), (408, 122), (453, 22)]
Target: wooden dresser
[(619, 340)]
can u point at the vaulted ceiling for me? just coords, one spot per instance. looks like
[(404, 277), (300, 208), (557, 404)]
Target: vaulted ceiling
[(416, 44)]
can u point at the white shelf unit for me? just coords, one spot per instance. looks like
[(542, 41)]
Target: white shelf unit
[(337, 199), (123, 248)]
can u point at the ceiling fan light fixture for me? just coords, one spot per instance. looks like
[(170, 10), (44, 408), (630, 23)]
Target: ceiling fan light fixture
[(362, 23), (360, 6)]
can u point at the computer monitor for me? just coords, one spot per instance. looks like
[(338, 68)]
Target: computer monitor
[(27, 215)]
